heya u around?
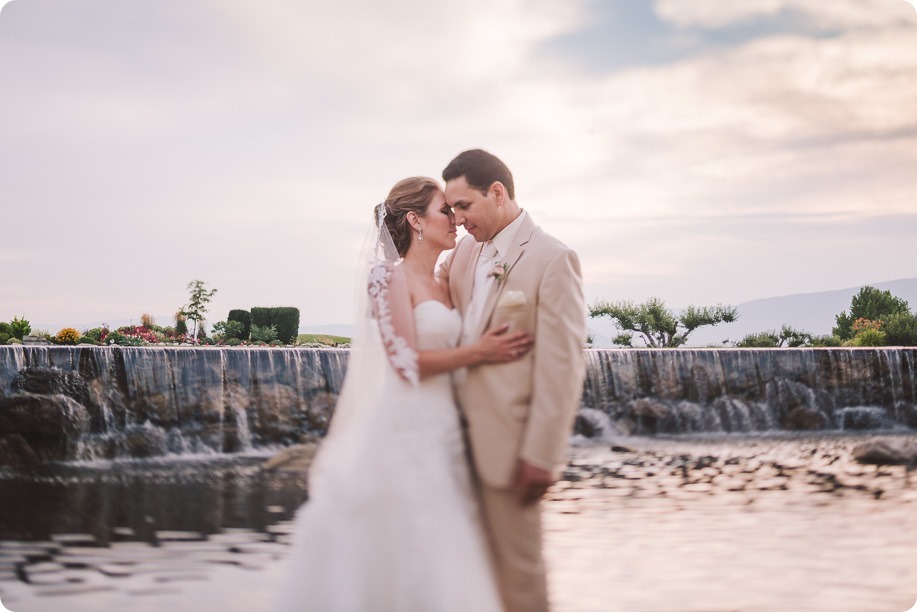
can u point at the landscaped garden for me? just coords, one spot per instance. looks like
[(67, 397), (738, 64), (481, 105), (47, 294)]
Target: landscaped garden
[(258, 326)]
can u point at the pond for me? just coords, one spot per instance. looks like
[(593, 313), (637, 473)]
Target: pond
[(678, 523)]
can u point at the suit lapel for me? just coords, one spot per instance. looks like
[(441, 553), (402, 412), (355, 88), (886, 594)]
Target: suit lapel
[(523, 235)]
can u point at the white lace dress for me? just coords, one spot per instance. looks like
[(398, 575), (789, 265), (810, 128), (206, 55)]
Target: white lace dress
[(392, 523)]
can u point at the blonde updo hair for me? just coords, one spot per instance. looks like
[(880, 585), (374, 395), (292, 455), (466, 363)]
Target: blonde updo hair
[(408, 195)]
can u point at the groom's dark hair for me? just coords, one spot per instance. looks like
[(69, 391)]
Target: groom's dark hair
[(481, 170)]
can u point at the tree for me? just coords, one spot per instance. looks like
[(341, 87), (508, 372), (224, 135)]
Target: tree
[(197, 307), (658, 326), (901, 329), (871, 304), (787, 336)]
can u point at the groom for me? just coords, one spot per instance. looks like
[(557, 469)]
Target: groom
[(520, 414)]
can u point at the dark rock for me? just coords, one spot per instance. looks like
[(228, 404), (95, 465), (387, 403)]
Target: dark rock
[(804, 418), (886, 451), (617, 448), (144, 441), (56, 416), (48, 381), (585, 427), (15, 451)]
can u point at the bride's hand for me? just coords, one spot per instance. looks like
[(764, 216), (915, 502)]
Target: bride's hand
[(498, 345)]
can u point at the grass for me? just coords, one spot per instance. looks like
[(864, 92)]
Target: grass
[(321, 339)]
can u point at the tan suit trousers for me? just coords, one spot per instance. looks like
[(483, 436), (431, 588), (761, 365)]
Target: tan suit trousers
[(515, 537)]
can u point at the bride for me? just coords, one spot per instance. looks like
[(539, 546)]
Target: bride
[(392, 523)]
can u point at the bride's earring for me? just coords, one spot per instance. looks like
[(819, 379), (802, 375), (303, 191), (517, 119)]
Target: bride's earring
[(420, 235)]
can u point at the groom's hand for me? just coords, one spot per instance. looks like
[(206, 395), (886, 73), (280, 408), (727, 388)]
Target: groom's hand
[(530, 483)]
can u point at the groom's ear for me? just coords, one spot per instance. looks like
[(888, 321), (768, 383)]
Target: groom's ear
[(499, 192)]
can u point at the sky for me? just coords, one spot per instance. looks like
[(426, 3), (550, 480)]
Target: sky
[(694, 150)]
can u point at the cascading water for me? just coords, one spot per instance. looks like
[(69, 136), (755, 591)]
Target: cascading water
[(648, 391), (106, 402), (64, 403)]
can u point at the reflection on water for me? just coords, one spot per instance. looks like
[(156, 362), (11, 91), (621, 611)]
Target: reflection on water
[(678, 524)]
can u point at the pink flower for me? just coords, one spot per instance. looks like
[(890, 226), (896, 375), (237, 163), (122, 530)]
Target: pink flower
[(498, 272)]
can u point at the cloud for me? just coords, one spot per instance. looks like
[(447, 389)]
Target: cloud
[(842, 15), (244, 144)]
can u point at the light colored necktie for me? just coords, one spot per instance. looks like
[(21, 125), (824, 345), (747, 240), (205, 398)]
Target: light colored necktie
[(479, 292)]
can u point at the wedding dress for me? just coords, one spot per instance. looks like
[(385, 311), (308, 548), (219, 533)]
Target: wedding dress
[(392, 523)]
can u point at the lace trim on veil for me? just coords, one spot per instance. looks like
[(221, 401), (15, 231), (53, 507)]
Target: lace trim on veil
[(400, 352)]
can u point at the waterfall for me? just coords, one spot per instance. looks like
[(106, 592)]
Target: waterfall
[(650, 391), (87, 402), (142, 402)]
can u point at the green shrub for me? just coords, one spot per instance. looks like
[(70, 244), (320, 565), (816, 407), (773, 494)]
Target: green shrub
[(19, 327), (224, 330), (181, 325), (5, 333), (869, 337), (245, 318), (96, 333), (276, 343), (85, 340), (120, 339), (767, 339), (13, 341), (285, 320), (901, 329), (828, 340), (233, 342), (266, 333)]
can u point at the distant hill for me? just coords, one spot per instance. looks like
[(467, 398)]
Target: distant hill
[(336, 329), (811, 312)]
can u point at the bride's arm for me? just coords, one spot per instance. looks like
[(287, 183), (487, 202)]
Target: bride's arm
[(495, 346)]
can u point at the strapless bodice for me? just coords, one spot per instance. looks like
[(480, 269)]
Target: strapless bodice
[(437, 326)]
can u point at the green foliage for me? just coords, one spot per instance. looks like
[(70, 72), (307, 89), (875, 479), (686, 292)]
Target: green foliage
[(869, 337), (276, 343), (225, 330), (767, 339), (901, 329), (5, 338), (245, 318), (265, 333), (19, 327), (624, 339), (5, 332), (196, 307), (869, 303), (657, 325), (284, 318), (120, 339), (181, 326), (233, 342), (829, 340), (13, 341), (96, 333), (85, 340)]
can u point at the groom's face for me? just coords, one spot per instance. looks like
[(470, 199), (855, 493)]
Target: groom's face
[(476, 212)]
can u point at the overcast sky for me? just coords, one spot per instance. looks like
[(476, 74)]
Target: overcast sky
[(700, 151)]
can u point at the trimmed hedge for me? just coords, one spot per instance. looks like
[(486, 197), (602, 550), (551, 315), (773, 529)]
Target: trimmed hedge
[(284, 318), (245, 318)]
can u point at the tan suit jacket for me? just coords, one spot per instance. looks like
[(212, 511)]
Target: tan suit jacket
[(524, 409)]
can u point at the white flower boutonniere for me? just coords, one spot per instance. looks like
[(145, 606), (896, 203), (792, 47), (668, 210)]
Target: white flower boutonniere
[(498, 272)]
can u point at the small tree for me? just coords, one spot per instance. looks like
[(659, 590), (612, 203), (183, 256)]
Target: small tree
[(871, 304), (787, 336), (197, 307), (658, 326)]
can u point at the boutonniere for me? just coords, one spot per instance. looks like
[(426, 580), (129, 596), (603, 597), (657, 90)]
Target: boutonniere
[(498, 272)]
